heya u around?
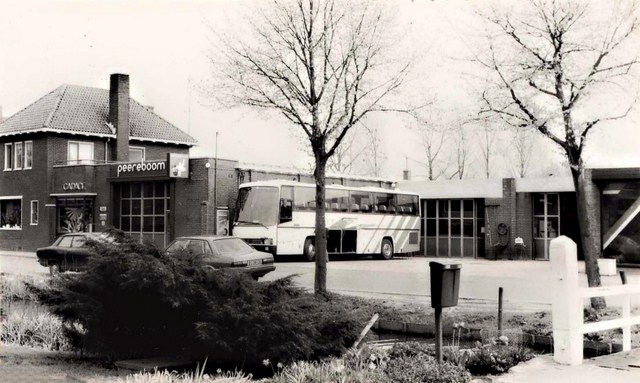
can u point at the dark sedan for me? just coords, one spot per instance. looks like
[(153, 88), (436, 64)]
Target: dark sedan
[(69, 252), (225, 252)]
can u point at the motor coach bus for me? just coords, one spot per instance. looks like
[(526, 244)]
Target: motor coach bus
[(279, 217)]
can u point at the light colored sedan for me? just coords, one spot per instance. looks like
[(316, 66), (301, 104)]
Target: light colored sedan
[(225, 252)]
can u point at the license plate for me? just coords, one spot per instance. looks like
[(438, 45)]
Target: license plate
[(254, 262)]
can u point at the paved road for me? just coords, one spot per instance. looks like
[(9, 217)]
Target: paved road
[(526, 283), (20, 263)]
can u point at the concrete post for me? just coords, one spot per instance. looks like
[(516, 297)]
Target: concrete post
[(567, 306)]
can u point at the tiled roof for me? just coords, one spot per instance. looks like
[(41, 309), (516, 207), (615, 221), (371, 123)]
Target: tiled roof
[(84, 110)]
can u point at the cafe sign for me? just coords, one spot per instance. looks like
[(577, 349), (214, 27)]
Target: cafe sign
[(70, 186), (149, 168)]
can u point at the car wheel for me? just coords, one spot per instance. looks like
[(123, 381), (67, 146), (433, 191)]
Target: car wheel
[(386, 249), (310, 249)]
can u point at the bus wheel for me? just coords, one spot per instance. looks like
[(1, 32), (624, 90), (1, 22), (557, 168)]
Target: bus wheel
[(386, 250), (309, 249)]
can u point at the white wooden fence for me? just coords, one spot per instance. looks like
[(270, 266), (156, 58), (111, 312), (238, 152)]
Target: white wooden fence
[(568, 305)]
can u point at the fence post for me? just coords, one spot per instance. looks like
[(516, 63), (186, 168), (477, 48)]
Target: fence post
[(567, 306)]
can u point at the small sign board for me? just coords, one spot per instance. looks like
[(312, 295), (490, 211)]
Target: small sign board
[(103, 208), (178, 165)]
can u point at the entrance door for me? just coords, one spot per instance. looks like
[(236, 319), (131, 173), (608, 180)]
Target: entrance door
[(143, 211), (74, 215), (546, 222)]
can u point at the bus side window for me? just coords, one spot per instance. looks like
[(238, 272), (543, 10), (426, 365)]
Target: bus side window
[(286, 204)]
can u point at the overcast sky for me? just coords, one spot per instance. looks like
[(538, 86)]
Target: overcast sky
[(163, 46)]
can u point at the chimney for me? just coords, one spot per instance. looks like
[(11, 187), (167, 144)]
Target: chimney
[(119, 114)]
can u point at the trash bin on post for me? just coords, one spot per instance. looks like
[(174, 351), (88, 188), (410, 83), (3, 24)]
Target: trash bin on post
[(445, 285)]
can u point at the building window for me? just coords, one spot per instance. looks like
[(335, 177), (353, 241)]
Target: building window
[(546, 222), (80, 153), (34, 212), (18, 146), (10, 213), (8, 156), (28, 154), (136, 154)]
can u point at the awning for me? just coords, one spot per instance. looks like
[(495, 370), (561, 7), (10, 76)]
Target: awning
[(73, 194)]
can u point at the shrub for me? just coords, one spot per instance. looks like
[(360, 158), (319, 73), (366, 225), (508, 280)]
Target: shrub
[(411, 349), (496, 359), (425, 368), (328, 371), (133, 302)]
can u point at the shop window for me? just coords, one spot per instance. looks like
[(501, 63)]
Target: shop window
[(34, 212), (136, 154), (28, 154), (18, 148), (8, 156), (80, 153), (11, 214)]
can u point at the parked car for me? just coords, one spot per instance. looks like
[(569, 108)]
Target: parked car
[(69, 252), (225, 252)]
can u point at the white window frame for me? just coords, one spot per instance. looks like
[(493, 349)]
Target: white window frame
[(24, 148), (37, 204), (8, 159), (14, 197), (144, 151), (16, 157), (79, 161)]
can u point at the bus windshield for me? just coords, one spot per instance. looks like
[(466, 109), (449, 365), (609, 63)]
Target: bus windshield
[(258, 205)]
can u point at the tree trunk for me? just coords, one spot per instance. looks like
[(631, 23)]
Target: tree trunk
[(587, 198), (320, 284)]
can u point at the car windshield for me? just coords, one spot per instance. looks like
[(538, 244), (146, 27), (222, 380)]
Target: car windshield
[(177, 246), (231, 247), (258, 204)]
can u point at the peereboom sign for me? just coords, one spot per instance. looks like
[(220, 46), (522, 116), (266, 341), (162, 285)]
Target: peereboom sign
[(141, 167)]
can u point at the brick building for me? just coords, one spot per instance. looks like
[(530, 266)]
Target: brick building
[(516, 218), (87, 159)]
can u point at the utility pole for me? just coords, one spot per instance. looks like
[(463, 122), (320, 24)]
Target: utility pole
[(215, 186)]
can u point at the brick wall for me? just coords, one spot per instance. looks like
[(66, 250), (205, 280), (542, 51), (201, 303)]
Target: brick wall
[(30, 184), (58, 147), (153, 151), (500, 211)]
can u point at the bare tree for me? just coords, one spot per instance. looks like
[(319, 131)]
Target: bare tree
[(374, 156), (561, 63), (433, 141), (487, 139), (319, 63), (461, 152), (521, 148), (346, 155)]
